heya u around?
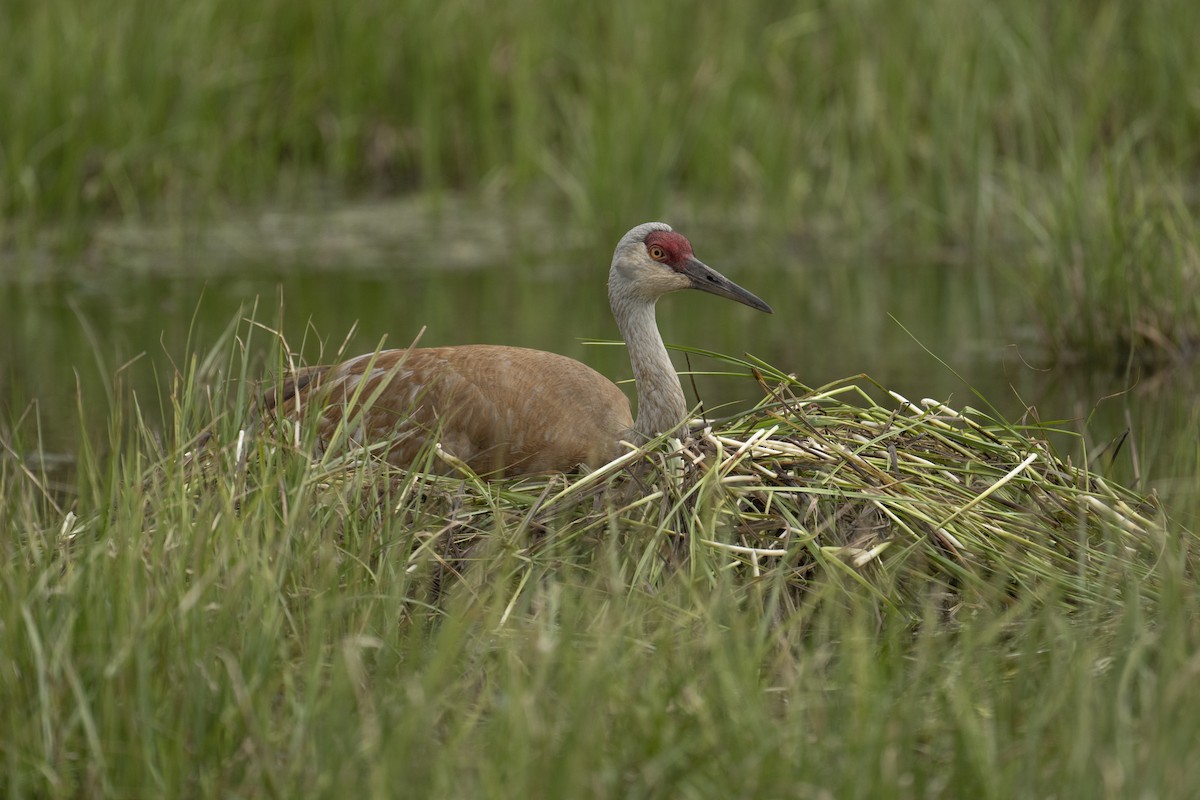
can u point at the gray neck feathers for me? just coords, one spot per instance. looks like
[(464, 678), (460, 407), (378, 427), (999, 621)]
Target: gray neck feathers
[(660, 402)]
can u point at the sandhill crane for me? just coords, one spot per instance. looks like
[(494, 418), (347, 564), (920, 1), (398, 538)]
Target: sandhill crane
[(512, 410)]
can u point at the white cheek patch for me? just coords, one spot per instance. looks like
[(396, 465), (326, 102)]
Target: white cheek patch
[(671, 281)]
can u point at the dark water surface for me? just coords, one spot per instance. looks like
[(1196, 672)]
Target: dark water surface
[(66, 332)]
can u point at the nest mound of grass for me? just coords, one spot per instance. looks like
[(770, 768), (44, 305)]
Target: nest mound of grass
[(810, 484)]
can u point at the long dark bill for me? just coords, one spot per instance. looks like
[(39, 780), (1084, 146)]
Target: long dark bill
[(707, 279)]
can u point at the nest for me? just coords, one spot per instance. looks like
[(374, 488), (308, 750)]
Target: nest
[(809, 485)]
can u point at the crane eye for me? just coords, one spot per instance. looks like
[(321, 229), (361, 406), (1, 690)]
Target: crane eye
[(657, 253)]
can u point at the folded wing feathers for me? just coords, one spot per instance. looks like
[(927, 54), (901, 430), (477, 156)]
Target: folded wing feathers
[(503, 410)]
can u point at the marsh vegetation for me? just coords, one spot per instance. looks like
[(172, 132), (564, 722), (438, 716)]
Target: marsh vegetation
[(990, 205)]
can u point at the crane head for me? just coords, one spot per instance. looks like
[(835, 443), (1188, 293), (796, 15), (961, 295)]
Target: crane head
[(652, 260)]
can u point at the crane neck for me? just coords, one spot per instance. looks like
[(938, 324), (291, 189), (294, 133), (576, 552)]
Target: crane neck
[(661, 405)]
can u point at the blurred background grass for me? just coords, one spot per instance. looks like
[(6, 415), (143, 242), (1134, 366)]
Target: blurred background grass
[(1064, 136), (796, 107)]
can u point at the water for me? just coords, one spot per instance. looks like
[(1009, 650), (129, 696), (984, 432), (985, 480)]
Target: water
[(138, 306)]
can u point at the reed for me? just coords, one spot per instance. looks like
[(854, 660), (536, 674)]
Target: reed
[(828, 592), (1052, 148), (161, 109)]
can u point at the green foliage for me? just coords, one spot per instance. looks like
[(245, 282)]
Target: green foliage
[(1113, 267), (302, 628), (797, 106), (1054, 146)]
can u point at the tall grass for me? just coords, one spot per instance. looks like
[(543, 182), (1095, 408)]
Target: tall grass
[(794, 106), (270, 660), (270, 633), (1062, 137)]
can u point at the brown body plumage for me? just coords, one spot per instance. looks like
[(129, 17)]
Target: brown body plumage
[(511, 410), (500, 409)]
